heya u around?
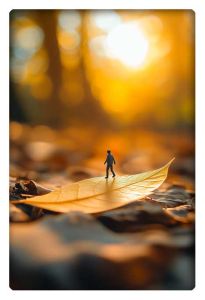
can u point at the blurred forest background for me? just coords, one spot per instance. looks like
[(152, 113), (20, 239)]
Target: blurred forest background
[(85, 81)]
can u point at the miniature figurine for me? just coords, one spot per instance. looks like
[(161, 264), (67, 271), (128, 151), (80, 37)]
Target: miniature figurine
[(109, 160)]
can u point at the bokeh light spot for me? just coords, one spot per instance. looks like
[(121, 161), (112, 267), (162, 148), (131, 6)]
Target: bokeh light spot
[(128, 43)]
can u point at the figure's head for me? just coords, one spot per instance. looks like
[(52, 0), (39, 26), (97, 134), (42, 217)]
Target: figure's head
[(108, 151)]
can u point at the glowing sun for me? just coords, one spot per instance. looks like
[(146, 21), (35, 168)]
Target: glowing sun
[(128, 44)]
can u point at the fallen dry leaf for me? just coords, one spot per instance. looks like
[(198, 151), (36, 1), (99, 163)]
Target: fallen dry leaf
[(97, 194), (182, 213)]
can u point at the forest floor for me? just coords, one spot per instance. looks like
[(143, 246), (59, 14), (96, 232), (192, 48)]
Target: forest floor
[(148, 244)]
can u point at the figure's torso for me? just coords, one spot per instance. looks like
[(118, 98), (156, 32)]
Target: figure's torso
[(110, 159)]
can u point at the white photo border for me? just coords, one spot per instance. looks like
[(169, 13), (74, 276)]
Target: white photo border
[(198, 6)]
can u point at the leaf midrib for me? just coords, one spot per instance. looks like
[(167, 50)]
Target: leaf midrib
[(92, 196)]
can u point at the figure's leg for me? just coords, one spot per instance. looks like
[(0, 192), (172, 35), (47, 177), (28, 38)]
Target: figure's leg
[(107, 171), (113, 173)]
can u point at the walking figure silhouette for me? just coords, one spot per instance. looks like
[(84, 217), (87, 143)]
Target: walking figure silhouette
[(109, 161)]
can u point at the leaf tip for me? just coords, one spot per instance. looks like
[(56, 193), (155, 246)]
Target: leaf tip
[(169, 163)]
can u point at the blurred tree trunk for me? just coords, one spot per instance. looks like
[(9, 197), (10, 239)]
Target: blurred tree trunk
[(47, 20), (95, 114)]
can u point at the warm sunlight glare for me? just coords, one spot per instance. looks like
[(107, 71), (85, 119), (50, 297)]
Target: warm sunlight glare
[(105, 20), (127, 43)]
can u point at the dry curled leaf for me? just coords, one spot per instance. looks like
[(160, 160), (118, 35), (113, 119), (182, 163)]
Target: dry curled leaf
[(97, 194), (19, 188)]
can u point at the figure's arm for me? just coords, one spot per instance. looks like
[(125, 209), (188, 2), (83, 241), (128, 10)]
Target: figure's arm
[(114, 160), (105, 161)]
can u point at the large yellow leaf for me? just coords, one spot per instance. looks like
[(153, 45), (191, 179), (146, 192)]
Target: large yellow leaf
[(97, 194)]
